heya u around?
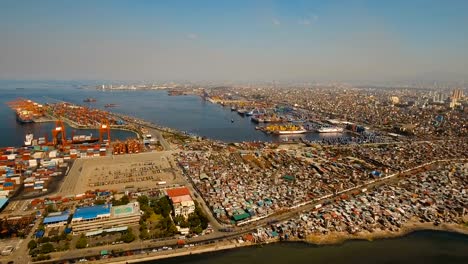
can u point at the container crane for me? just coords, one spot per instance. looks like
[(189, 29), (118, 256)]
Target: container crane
[(59, 130), (104, 129)]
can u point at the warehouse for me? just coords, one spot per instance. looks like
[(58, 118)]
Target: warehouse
[(56, 219)]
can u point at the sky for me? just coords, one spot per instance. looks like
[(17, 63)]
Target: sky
[(237, 40)]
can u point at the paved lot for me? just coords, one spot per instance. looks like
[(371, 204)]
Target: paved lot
[(142, 170)]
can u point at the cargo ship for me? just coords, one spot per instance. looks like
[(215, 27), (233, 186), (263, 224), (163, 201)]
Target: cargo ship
[(285, 129), (24, 117), (89, 100), (330, 130), (81, 139)]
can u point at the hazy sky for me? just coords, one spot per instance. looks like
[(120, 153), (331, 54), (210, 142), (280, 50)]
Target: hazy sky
[(234, 40)]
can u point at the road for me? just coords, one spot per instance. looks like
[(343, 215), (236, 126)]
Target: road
[(241, 230), (157, 134), (152, 129), (20, 254)]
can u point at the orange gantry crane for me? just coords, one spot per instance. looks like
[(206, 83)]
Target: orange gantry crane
[(58, 134), (104, 130)]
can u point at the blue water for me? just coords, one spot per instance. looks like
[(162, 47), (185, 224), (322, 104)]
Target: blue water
[(185, 113), (422, 247)]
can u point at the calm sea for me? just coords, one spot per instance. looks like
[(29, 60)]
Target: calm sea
[(185, 113), (422, 247)]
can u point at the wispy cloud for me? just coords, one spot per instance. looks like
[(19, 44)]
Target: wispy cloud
[(308, 20), (192, 36), (275, 21)]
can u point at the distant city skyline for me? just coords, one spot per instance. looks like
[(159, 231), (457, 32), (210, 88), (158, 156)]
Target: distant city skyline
[(235, 40)]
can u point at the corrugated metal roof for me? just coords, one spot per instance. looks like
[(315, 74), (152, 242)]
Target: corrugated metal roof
[(239, 217), (57, 218), (91, 212), (178, 192)]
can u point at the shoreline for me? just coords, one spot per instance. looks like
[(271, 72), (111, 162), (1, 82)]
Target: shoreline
[(79, 127), (336, 238), (332, 239)]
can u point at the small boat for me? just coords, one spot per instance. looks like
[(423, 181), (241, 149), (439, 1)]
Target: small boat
[(89, 100)]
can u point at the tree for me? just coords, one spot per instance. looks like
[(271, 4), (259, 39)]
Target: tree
[(32, 244), (162, 206), (46, 248), (194, 220), (55, 239), (82, 242), (43, 240), (143, 200), (100, 202), (197, 230), (50, 209), (124, 200), (128, 236), (144, 234)]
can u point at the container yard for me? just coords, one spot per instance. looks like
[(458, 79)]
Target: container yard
[(31, 171), (38, 167), (27, 111), (82, 116)]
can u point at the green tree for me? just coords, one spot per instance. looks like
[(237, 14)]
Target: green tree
[(144, 234), (197, 230), (124, 200), (128, 236), (43, 240), (55, 239), (32, 244), (82, 242), (100, 202), (46, 248), (194, 220), (162, 206), (143, 200), (50, 209)]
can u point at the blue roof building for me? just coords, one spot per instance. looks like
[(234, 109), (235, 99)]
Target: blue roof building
[(91, 212), (94, 220), (60, 218)]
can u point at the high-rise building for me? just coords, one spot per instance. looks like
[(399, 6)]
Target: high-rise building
[(457, 94)]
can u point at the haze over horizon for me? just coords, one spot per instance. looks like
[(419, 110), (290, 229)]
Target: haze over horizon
[(235, 40)]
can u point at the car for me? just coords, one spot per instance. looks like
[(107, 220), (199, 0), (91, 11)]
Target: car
[(7, 250)]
